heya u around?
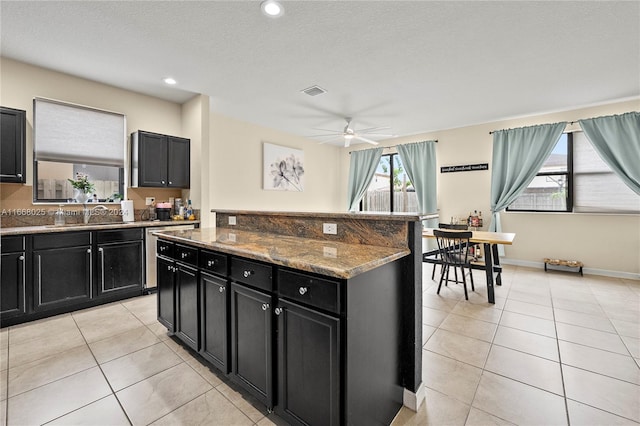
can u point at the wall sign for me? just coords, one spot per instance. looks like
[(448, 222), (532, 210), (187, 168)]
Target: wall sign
[(464, 168)]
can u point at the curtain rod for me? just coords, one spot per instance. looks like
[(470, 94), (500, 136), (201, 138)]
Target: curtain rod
[(393, 146)]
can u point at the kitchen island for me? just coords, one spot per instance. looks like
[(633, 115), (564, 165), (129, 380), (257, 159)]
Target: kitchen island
[(321, 328)]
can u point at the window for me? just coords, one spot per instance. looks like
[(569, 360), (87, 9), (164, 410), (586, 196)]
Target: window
[(550, 190), (390, 189), (71, 139), (575, 179)]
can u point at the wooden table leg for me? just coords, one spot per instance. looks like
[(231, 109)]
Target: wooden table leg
[(489, 272)]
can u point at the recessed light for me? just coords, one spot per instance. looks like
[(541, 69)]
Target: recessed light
[(169, 80), (272, 8)]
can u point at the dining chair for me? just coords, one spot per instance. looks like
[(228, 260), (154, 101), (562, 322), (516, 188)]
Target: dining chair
[(461, 227), (454, 247)]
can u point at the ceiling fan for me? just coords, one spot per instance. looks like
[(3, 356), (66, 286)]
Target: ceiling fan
[(349, 134)]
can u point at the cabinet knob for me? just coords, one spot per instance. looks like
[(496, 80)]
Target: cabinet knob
[(278, 311), (183, 255), (89, 251), (247, 274), (163, 248), (162, 182), (221, 290), (21, 258), (211, 262), (100, 249), (302, 291), (170, 183), (265, 306), (19, 175)]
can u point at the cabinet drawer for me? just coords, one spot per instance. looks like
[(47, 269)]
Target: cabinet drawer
[(119, 235), (186, 254), (313, 291), (164, 248), (12, 244), (252, 273), (61, 239), (213, 262)]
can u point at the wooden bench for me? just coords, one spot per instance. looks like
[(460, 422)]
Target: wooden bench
[(566, 263)]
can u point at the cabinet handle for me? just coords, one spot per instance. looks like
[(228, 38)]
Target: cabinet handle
[(278, 311), (302, 291), (210, 263), (183, 255), (221, 289), (24, 284), (247, 273), (101, 251), (265, 306), (163, 248)]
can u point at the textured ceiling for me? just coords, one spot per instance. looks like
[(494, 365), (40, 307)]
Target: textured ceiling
[(415, 66)]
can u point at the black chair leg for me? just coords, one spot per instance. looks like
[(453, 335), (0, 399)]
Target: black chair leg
[(464, 283), (471, 276), (441, 277)]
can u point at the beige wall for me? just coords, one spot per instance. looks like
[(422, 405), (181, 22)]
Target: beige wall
[(607, 244), (20, 83), (236, 170)]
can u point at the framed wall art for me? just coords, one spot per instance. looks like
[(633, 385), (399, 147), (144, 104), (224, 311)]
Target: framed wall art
[(283, 168)]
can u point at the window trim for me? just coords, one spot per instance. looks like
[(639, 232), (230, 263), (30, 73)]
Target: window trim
[(391, 156)]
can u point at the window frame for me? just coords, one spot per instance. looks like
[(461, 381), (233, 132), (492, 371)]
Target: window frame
[(391, 156), (569, 177)]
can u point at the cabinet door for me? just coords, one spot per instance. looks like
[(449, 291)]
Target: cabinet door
[(12, 284), (308, 365), (251, 342), (213, 321), (119, 267), (12, 145), (178, 162), (152, 160), (61, 277), (187, 318), (166, 293)]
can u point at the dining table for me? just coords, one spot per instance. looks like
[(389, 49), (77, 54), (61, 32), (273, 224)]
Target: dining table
[(491, 263)]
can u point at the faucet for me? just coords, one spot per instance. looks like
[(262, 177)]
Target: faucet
[(88, 212)]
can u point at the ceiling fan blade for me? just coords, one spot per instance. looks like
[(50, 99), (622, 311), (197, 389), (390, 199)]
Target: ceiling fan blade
[(373, 129), (328, 130), (330, 141), (323, 135), (365, 140), (380, 135)]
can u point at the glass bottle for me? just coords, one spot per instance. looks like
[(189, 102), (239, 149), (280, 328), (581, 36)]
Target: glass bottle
[(58, 218)]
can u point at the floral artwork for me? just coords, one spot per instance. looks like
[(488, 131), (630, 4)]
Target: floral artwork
[(283, 168)]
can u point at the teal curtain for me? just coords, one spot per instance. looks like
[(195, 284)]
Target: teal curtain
[(617, 139), (361, 169), (419, 160), (518, 155)]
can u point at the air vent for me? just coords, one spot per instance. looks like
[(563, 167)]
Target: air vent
[(314, 91)]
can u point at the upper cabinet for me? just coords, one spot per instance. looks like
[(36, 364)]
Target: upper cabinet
[(159, 160), (12, 148)]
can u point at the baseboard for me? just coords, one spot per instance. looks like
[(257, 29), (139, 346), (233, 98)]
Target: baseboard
[(413, 400), (589, 271)]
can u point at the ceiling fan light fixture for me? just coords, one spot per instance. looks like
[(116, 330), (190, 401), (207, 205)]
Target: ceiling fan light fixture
[(348, 136), (170, 81), (272, 8)]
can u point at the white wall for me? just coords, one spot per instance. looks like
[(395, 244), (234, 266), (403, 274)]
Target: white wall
[(235, 170), (607, 244)]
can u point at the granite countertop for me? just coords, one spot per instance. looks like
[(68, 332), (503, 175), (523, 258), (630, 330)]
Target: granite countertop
[(43, 229), (334, 259)]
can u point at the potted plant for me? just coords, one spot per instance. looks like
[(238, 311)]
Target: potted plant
[(82, 187)]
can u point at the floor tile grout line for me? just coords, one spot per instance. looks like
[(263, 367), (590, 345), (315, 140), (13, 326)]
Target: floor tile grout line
[(104, 375)]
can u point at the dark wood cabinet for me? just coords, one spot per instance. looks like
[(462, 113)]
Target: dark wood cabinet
[(214, 309), (120, 261), (61, 269), (308, 365), (187, 306), (13, 274), (159, 160), (252, 342), (166, 292), (12, 145)]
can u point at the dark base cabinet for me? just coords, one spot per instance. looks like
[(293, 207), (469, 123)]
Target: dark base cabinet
[(53, 273), (308, 366), (317, 350), (214, 308), (251, 342)]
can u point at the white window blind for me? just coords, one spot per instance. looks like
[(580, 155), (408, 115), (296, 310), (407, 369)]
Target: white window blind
[(71, 133), (596, 187)]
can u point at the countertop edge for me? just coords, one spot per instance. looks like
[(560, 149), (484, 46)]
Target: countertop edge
[(46, 229)]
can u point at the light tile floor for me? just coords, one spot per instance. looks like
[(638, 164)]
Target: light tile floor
[(556, 348)]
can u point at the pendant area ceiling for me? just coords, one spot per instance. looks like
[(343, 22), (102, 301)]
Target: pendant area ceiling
[(415, 66)]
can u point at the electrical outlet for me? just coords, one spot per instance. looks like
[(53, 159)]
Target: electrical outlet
[(330, 228), (232, 220), (149, 201)]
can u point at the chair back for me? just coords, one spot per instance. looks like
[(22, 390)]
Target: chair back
[(460, 226), (453, 246)]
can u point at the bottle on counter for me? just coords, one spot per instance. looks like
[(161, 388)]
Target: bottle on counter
[(58, 218), (189, 210)]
